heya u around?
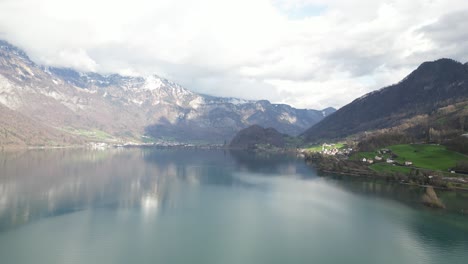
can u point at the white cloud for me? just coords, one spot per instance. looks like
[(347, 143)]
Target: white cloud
[(308, 53), (75, 58)]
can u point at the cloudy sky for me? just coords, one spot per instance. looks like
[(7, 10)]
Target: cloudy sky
[(307, 53)]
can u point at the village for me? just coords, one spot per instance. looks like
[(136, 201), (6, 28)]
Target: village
[(383, 155), (386, 155), (334, 150)]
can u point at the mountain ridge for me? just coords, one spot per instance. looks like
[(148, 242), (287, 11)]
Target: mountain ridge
[(126, 107), (431, 86)]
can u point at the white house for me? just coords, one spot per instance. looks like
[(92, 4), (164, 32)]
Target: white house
[(408, 163)]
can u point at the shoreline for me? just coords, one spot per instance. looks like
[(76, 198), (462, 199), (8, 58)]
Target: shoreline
[(348, 168), (104, 145), (377, 177), (324, 164)]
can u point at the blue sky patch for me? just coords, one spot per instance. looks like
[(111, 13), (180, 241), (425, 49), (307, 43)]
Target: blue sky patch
[(304, 11)]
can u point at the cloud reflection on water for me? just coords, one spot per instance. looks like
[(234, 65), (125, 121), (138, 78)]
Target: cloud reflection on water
[(40, 184)]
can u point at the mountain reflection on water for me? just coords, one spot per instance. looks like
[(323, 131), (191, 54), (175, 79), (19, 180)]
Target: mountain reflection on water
[(41, 183), (246, 189)]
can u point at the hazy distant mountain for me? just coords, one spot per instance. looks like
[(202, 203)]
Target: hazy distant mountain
[(106, 107), (431, 86)]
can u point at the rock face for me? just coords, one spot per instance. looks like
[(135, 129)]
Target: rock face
[(252, 136), (127, 107), (431, 86), (430, 199)]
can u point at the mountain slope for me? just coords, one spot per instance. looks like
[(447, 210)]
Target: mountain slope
[(431, 86), (128, 108), (17, 130)]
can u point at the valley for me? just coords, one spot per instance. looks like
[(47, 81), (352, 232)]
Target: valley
[(233, 132), (44, 107), (420, 122), (69, 108)]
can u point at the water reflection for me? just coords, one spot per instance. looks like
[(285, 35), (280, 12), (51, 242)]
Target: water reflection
[(242, 206), (442, 228), (41, 183), (270, 163), (37, 184)]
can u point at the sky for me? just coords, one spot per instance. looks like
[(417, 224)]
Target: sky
[(306, 53)]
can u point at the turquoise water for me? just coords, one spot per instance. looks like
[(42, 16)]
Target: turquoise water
[(194, 206)]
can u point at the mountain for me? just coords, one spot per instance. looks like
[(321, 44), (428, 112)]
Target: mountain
[(18, 130), (249, 138), (433, 85), (113, 107)]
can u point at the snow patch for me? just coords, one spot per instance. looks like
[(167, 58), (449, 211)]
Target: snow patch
[(237, 101), (288, 118), (27, 69), (138, 102), (199, 101), (8, 95), (56, 96), (5, 85), (85, 90), (152, 83)]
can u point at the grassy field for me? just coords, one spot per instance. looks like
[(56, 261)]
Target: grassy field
[(426, 157), (361, 155), (315, 148), (318, 148), (91, 134), (434, 157), (385, 167), (368, 155)]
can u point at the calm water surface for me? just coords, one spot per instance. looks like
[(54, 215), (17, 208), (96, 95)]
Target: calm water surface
[(193, 206)]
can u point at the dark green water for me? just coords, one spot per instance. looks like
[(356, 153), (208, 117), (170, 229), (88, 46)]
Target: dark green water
[(189, 206)]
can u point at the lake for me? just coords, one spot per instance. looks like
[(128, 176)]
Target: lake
[(213, 206)]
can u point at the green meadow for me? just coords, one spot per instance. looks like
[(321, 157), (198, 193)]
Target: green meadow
[(385, 167), (434, 157), (318, 148), (426, 157)]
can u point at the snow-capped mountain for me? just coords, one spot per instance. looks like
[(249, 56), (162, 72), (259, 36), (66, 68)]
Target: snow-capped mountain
[(80, 105)]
